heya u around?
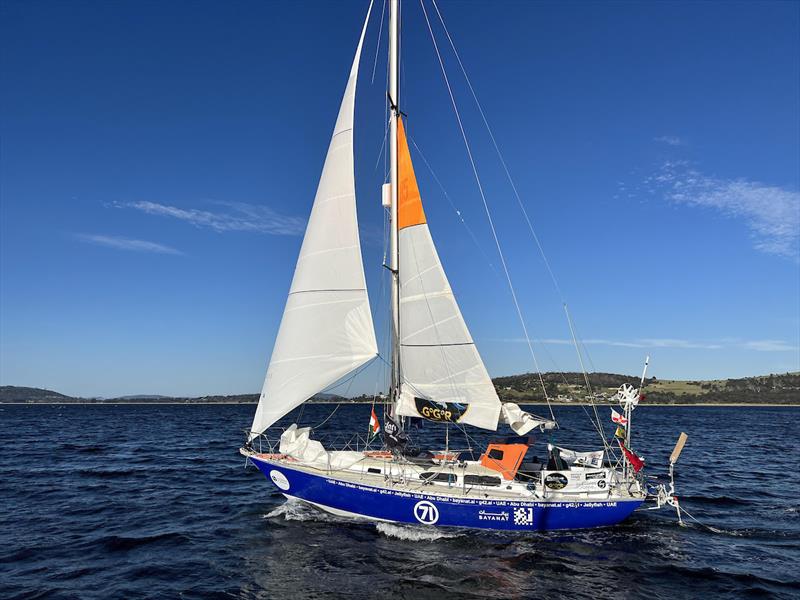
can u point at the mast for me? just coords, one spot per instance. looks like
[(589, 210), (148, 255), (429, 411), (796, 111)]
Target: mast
[(628, 414), (394, 101), (629, 407)]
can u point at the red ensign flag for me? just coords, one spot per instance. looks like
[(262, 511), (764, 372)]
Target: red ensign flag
[(636, 462)]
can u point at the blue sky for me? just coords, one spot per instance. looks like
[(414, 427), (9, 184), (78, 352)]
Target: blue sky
[(159, 159)]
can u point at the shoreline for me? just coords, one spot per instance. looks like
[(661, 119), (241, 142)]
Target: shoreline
[(700, 404)]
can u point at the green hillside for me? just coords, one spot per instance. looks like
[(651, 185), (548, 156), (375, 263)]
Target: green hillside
[(13, 393), (570, 387), (561, 388)]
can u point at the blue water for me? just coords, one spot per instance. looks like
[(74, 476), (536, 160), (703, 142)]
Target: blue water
[(155, 502)]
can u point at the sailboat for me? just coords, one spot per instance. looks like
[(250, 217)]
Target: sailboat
[(437, 374)]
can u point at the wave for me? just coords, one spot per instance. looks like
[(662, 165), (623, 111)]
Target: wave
[(415, 533), (83, 449), (116, 543), (773, 535), (297, 510), (714, 500), (292, 510), (144, 522), (18, 555), (109, 473), (718, 575)]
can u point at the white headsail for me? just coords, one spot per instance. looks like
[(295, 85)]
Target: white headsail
[(326, 331), (444, 378)]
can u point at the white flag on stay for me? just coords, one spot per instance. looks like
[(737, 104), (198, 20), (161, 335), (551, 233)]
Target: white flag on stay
[(618, 418), (582, 459)]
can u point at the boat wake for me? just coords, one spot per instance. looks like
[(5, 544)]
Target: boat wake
[(295, 510), (414, 533)]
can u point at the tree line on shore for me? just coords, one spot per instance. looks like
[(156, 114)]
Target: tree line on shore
[(528, 387)]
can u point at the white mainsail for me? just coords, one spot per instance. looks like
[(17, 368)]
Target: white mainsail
[(326, 331), (441, 367)]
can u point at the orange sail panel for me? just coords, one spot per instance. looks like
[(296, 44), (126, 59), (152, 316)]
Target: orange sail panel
[(409, 203)]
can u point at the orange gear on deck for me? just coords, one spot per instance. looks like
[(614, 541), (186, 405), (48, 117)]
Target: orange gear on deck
[(504, 458)]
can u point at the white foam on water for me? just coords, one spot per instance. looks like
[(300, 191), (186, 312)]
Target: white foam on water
[(296, 510), (413, 533)]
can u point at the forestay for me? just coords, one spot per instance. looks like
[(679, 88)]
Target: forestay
[(326, 330), (443, 376)]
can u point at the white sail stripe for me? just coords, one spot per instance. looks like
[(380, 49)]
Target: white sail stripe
[(337, 197), (319, 291), (452, 375), (340, 146), (408, 335), (418, 275), (445, 365), (448, 387), (358, 359), (323, 201), (340, 132), (424, 297), (309, 255), (326, 303)]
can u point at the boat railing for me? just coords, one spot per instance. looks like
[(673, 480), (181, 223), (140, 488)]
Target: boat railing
[(269, 442)]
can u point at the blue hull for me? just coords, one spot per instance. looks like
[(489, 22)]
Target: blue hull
[(427, 509)]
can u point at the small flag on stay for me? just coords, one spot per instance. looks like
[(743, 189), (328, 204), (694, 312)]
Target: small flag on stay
[(618, 418), (374, 425), (620, 432)]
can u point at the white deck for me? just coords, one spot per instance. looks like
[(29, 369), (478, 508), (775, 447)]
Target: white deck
[(601, 484)]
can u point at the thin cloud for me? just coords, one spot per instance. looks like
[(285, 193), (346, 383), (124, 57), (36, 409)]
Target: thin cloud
[(754, 345), (643, 343), (769, 346), (772, 213), (240, 216), (122, 243), (670, 140)]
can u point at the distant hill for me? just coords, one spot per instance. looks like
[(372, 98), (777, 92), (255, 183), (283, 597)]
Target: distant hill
[(13, 393), (526, 388), (571, 387)]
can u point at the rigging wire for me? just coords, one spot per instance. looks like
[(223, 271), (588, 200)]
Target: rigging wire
[(488, 212), (378, 45), (328, 418), (443, 354), (352, 376), (349, 382), (381, 372), (382, 151), (497, 150), (521, 205), (709, 527), (596, 422), (452, 205)]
